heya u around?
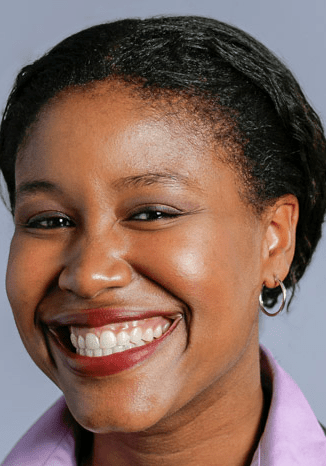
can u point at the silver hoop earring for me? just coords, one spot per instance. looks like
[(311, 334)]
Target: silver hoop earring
[(261, 304)]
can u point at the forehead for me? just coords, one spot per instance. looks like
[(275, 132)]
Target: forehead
[(124, 127)]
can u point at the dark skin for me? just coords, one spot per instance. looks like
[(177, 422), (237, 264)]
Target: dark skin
[(186, 243)]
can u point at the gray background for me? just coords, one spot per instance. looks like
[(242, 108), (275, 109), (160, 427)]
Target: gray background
[(296, 31)]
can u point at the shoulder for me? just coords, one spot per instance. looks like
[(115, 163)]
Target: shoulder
[(49, 442), (292, 431)]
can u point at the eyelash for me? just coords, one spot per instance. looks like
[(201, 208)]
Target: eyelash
[(59, 221), (53, 222), (153, 214)]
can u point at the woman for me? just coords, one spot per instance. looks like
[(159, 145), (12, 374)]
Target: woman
[(167, 181)]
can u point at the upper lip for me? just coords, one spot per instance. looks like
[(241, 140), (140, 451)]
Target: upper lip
[(100, 317)]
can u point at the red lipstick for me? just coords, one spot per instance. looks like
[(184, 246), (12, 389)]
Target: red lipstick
[(114, 363), (101, 317)]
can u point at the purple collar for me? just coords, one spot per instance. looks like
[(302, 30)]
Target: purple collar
[(292, 435)]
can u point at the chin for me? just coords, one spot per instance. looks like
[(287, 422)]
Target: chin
[(124, 421), (134, 412)]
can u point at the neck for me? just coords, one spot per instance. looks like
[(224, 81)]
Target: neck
[(221, 426)]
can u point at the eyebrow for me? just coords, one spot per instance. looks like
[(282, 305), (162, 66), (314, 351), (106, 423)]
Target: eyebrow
[(168, 178), (35, 186)]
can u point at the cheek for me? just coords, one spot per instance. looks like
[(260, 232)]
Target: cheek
[(30, 272), (206, 264), (32, 267)]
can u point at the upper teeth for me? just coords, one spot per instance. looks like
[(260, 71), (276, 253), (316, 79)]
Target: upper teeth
[(118, 337)]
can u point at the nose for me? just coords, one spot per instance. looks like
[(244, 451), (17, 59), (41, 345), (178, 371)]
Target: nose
[(92, 266)]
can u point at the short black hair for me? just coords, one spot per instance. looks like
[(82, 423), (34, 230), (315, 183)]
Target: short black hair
[(218, 68)]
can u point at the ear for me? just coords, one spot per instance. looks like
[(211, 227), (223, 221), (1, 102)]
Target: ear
[(279, 241)]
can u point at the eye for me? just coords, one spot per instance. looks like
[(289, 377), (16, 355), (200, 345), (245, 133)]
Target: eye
[(49, 222), (152, 213)]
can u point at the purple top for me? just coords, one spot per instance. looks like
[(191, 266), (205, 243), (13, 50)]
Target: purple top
[(292, 435)]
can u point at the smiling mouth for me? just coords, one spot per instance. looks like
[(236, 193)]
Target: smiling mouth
[(89, 346), (117, 338)]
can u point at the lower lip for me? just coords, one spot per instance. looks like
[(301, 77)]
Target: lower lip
[(112, 364)]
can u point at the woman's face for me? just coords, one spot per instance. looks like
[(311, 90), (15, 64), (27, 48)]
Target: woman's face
[(122, 215)]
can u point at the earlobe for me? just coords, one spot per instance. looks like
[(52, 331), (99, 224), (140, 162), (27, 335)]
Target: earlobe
[(282, 219)]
